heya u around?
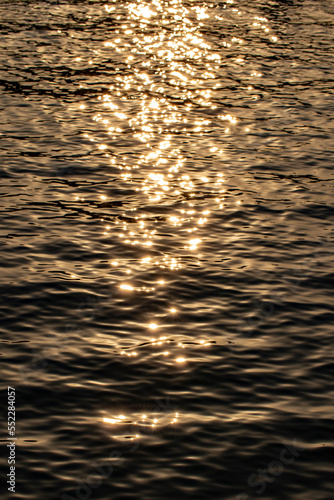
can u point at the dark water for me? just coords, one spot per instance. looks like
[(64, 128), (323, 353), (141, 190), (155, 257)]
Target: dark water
[(166, 242)]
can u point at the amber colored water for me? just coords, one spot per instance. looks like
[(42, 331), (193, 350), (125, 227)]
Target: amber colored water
[(167, 249)]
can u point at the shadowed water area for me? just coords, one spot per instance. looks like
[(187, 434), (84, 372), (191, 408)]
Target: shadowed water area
[(167, 249)]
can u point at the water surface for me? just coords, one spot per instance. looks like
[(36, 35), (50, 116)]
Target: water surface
[(167, 229)]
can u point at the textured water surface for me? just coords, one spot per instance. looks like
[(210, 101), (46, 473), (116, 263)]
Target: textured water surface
[(167, 248)]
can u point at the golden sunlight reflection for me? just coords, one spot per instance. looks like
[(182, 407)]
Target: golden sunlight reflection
[(136, 425), (164, 109), (171, 349), (180, 360)]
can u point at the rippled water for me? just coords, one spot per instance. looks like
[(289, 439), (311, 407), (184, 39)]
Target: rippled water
[(167, 228)]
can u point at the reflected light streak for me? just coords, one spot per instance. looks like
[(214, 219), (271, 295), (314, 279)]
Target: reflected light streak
[(165, 99)]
